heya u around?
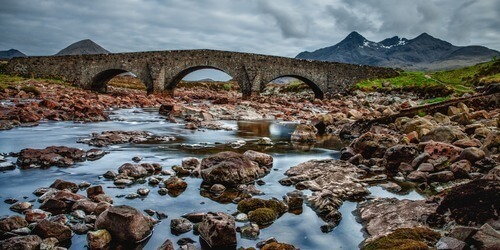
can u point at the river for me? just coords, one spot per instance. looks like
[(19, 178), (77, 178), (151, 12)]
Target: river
[(301, 230)]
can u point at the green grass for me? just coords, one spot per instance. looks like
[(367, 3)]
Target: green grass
[(404, 80), (417, 82), (22, 83), (438, 84)]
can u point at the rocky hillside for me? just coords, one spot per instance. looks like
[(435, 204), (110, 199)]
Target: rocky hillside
[(11, 53), (83, 47), (423, 52)]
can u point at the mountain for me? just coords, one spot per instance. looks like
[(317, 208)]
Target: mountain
[(11, 53), (423, 52), (83, 47)]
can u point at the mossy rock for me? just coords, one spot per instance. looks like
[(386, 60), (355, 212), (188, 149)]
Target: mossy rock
[(406, 238), (248, 205), (262, 216), (31, 89), (278, 246)]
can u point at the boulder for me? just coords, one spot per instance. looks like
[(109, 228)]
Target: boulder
[(49, 229), (439, 149), (381, 216), (230, 169), (133, 170), (11, 223), (264, 160), (487, 237), (461, 169), (398, 154), (449, 243), (125, 224), (445, 134), (304, 133), (180, 225), (36, 215), (372, 145), (472, 154), (62, 184), (473, 203), (218, 230), (29, 242)]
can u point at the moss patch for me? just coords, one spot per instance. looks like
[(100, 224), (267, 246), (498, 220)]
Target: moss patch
[(262, 216), (248, 205), (406, 238)]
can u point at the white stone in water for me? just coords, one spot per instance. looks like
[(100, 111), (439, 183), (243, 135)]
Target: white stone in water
[(143, 191), (241, 217)]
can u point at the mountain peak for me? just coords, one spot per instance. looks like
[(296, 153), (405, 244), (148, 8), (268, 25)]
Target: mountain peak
[(11, 53), (83, 47), (354, 37)]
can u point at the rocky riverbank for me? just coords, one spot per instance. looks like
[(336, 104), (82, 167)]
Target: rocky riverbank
[(452, 158)]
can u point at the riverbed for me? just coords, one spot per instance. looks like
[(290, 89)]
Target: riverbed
[(301, 230)]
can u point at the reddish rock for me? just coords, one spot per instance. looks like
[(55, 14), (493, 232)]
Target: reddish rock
[(29, 242), (85, 205), (125, 224), (11, 223), (36, 215), (230, 169), (218, 230), (304, 133), (439, 149), (62, 184), (461, 169), (398, 154), (49, 229), (373, 145), (133, 170), (264, 160), (472, 154)]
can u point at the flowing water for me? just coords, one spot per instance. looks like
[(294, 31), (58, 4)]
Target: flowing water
[(301, 230)]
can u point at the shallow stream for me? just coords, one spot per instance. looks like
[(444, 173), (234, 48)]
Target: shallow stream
[(302, 230)]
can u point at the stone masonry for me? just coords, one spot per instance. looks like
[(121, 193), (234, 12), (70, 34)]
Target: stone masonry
[(160, 71)]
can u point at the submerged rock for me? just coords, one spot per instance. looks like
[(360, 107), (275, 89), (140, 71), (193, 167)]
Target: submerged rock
[(218, 230), (100, 239), (332, 182), (59, 156), (406, 238)]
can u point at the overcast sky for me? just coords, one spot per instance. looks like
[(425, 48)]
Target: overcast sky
[(275, 27)]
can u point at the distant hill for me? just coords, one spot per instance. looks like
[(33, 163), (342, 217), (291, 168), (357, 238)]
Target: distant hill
[(83, 47), (423, 52), (11, 53)]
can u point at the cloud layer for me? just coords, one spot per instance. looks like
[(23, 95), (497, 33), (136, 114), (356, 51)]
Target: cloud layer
[(278, 27)]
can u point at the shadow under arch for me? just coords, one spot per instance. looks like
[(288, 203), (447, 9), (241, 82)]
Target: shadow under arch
[(100, 81), (170, 86), (318, 93)]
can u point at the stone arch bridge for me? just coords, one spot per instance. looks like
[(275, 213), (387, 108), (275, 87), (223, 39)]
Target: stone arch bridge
[(160, 71)]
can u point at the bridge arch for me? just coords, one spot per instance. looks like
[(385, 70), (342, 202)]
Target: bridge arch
[(318, 93), (100, 81), (171, 83)]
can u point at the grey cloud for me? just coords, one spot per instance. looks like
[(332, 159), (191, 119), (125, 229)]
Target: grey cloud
[(278, 27), (290, 23)]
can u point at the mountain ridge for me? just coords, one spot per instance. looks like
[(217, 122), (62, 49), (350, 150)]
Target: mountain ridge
[(423, 52)]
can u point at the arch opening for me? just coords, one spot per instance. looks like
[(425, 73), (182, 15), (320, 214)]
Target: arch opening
[(117, 78), (293, 85), (203, 77)]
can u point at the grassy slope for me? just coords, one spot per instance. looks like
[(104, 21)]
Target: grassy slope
[(442, 83)]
